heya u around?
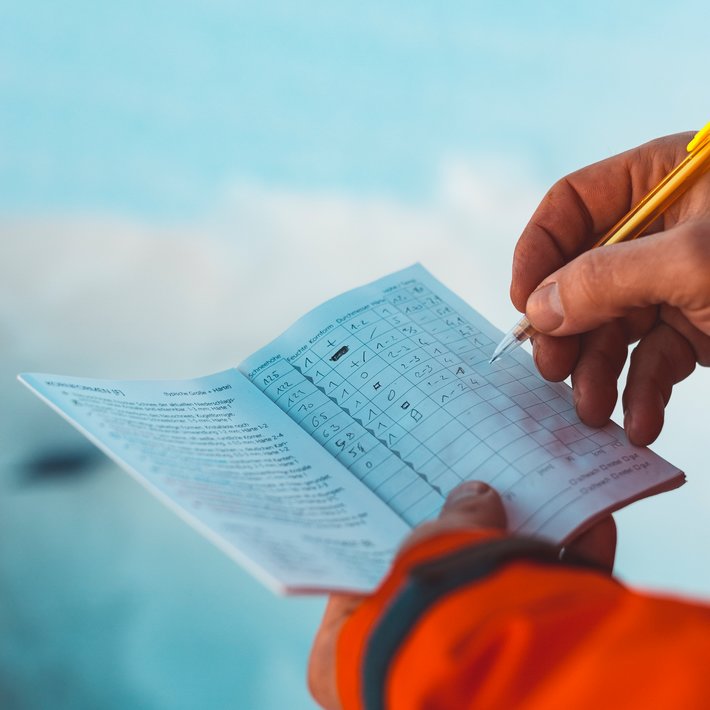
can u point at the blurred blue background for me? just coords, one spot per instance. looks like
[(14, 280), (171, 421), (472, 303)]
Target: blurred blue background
[(179, 181)]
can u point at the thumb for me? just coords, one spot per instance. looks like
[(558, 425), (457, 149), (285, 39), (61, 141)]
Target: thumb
[(473, 504), (606, 283)]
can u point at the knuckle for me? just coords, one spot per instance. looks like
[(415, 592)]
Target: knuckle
[(692, 255), (694, 246), (588, 274), (555, 190)]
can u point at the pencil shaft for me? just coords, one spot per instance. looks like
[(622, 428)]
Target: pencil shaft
[(675, 184)]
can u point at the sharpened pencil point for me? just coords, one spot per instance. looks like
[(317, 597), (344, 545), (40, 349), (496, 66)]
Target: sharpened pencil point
[(511, 341)]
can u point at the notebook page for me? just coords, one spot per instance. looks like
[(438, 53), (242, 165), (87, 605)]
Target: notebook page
[(393, 379), (231, 464)]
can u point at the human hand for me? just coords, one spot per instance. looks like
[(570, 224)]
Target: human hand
[(655, 290), (470, 505)]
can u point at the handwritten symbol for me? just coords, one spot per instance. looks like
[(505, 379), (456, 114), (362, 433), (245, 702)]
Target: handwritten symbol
[(340, 353)]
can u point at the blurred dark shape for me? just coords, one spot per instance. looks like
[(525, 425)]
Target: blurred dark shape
[(60, 464)]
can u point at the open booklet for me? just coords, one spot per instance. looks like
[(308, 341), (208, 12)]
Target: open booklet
[(311, 461)]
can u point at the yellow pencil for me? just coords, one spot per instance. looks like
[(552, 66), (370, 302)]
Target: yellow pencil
[(635, 223)]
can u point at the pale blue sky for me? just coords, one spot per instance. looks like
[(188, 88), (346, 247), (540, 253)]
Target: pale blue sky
[(150, 107)]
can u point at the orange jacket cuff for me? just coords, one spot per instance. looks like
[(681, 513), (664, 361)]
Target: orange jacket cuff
[(353, 638)]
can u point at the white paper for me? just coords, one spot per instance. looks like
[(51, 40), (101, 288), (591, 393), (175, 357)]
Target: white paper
[(393, 379), (311, 462), (231, 463)]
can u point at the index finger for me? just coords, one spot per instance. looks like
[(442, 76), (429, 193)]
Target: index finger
[(583, 206)]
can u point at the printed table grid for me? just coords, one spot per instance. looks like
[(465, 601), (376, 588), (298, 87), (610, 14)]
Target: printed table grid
[(386, 385)]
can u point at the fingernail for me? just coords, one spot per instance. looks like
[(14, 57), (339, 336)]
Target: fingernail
[(466, 491), (628, 421), (544, 308), (576, 395), (536, 352)]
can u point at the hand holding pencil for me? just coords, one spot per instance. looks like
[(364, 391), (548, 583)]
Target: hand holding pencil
[(596, 302)]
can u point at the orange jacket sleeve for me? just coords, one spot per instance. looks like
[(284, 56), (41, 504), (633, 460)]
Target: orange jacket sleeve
[(478, 620)]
